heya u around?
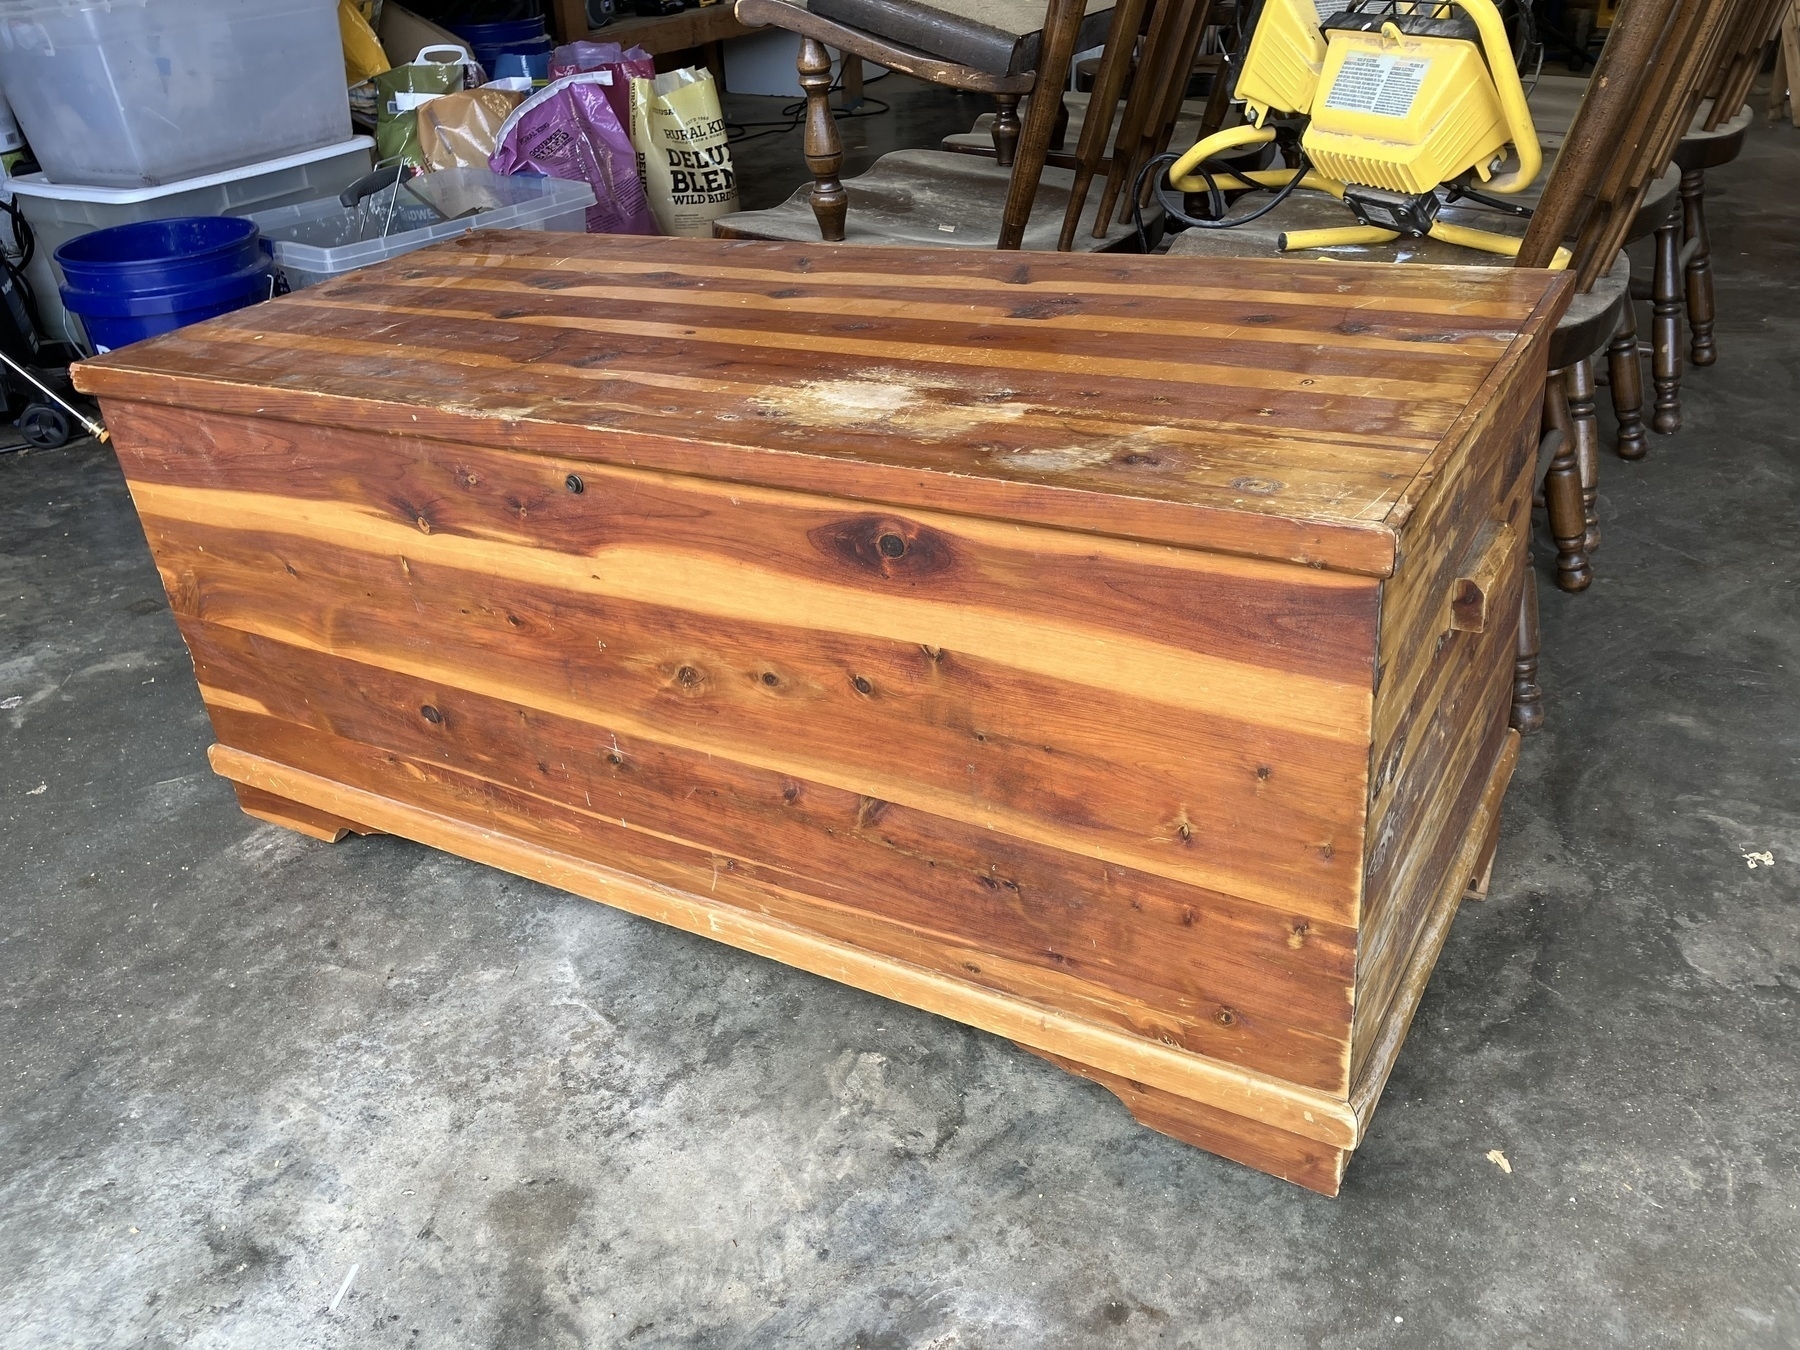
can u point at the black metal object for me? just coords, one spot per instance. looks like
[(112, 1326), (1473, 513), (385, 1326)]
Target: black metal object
[(1408, 213)]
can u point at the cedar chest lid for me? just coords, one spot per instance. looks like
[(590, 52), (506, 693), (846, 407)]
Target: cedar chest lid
[(1292, 410)]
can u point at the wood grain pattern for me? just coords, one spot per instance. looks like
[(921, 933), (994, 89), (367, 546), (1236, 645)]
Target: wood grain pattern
[(479, 341), (1256, 1097), (1442, 699), (1064, 646)]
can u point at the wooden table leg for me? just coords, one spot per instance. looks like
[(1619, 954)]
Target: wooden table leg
[(1005, 130), (850, 81), (823, 148), (1580, 380), (1665, 328), (1625, 372), (1527, 697), (1562, 492), (1702, 351)]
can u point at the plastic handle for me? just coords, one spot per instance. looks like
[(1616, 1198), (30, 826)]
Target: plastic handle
[(1512, 96), (462, 56)]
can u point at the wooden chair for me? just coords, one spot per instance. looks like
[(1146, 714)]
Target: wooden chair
[(1005, 48), (1782, 88), (1616, 149), (1716, 137)]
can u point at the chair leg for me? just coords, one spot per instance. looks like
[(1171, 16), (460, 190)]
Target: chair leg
[(823, 148), (1062, 23), (1562, 492), (1702, 351), (1580, 379), (1665, 329), (1625, 373), (1527, 697), (1006, 129), (1059, 133)]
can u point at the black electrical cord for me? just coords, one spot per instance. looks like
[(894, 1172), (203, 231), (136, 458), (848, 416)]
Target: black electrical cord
[(793, 115), (26, 242), (22, 236), (1174, 202)]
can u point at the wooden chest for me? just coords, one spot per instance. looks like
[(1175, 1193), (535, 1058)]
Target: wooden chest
[(1111, 653)]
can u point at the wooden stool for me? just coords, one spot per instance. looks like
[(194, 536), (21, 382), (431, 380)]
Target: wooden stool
[(1011, 48), (1699, 151)]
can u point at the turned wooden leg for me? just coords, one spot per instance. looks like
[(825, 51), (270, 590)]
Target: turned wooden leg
[(1580, 380), (823, 149), (1665, 329), (1006, 129), (1625, 372), (294, 815), (1528, 698), (1562, 492), (1702, 352)]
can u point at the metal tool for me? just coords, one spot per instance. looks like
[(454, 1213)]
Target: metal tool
[(92, 427)]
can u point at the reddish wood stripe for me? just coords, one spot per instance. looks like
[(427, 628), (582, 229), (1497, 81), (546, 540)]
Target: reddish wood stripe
[(1249, 985)]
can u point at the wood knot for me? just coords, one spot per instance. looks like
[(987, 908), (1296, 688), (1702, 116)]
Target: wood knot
[(1257, 487), (431, 714), (1297, 935), (770, 678), (885, 546), (1226, 1017), (862, 685), (688, 677)]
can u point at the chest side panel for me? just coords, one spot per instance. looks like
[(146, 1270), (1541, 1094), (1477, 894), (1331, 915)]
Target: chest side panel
[(1123, 780), (1443, 695)]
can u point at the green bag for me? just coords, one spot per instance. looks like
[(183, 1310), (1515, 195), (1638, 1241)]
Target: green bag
[(400, 91)]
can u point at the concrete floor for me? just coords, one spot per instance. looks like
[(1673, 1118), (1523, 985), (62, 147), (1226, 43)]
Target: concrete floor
[(256, 1091)]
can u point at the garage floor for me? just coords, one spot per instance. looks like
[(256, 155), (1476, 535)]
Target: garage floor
[(256, 1091)]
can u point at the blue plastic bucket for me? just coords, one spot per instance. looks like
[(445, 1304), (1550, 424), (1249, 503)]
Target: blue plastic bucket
[(134, 281), (490, 41)]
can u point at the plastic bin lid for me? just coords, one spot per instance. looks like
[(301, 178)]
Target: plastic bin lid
[(37, 185), (525, 200)]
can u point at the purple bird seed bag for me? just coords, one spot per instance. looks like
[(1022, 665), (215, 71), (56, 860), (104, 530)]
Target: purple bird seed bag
[(569, 130)]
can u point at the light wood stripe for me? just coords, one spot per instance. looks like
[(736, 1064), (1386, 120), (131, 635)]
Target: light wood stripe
[(1421, 299), (1475, 349), (927, 354), (1249, 446), (737, 590)]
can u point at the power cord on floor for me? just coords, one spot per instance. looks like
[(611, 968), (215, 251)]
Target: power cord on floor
[(793, 115)]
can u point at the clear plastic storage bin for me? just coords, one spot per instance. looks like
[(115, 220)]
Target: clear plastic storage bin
[(58, 212), (135, 93), (320, 240)]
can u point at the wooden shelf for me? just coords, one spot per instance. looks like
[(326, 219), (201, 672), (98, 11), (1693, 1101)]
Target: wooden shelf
[(658, 36)]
